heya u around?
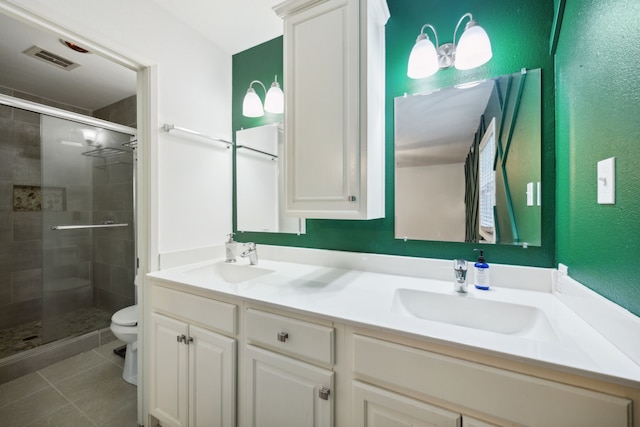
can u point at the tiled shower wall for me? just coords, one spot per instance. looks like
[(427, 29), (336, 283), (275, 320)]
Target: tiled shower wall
[(21, 232)]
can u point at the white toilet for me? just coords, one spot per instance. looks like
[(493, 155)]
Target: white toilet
[(124, 325)]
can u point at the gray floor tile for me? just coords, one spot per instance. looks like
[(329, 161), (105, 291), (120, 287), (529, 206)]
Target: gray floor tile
[(106, 351), (91, 384), (67, 416), (21, 387), (109, 404), (122, 413), (72, 366), (31, 408)]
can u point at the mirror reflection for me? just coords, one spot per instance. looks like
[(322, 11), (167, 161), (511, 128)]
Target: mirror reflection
[(260, 183), (467, 162)]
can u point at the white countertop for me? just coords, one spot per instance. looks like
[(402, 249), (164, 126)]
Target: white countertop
[(366, 298)]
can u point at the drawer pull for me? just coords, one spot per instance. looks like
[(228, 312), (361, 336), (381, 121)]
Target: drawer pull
[(323, 393), (283, 336)]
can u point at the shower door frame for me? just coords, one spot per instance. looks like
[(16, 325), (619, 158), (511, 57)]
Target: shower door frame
[(146, 218)]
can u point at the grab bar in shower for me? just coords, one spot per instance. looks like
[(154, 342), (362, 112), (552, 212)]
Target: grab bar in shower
[(168, 128), (273, 156), (79, 227)]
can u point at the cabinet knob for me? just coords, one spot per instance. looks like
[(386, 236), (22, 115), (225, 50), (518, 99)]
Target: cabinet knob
[(189, 341), (182, 338), (323, 393), (282, 336), (351, 198)]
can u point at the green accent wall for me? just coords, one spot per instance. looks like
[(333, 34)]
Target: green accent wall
[(598, 116), (519, 33)]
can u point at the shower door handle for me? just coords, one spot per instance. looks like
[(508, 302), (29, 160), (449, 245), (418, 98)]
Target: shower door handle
[(80, 227)]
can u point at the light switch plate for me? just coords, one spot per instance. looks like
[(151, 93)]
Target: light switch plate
[(607, 181), (539, 184)]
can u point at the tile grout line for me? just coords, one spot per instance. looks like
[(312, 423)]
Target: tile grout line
[(67, 399)]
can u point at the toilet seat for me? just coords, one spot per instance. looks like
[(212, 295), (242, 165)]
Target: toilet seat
[(127, 316)]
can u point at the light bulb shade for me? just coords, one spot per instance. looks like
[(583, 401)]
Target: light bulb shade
[(474, 48), (251, 105), (274, 101), (423, 60)]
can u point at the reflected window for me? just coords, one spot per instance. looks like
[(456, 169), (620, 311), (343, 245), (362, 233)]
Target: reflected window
[(487, 184)]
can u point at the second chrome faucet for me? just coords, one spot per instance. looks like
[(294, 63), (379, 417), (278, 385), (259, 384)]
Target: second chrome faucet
[(251, 252)]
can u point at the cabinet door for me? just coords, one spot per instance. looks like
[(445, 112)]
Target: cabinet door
[(375, 407), (168, 382), (472, 422), (285, 392), (212, 378), (322, 99)]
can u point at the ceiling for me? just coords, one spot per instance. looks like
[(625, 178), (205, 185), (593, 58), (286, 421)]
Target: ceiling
[(438, 128), (234, 26)]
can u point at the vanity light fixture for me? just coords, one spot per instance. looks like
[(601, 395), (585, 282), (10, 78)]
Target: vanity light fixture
[(273, 101), (473, 50)]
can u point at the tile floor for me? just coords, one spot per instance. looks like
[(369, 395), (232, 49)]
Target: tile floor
[(86, 390)]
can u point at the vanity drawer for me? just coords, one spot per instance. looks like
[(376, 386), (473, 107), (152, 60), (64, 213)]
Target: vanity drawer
[(507, 395), (290, 336), (218, 315)]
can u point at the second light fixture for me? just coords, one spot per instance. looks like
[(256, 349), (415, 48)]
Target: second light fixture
[(473, 50), (273, 101)]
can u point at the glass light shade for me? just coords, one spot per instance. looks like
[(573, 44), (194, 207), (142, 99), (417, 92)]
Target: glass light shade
[(274, 101), (423, 60), (251, 105), (474, 48)]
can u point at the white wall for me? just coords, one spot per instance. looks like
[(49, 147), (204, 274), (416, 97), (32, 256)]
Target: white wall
[(193, 182), (432, 200)]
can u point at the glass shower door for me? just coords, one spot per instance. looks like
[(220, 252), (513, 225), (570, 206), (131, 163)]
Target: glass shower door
[(87, 215)]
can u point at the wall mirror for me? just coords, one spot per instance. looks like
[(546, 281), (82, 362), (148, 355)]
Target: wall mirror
[(467, 162), (260, 183)]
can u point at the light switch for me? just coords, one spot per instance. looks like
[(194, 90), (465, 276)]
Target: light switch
[(539, 193), (607, 181), (530, 194)]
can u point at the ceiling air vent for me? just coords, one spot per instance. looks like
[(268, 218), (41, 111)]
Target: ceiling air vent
[(51, 58)]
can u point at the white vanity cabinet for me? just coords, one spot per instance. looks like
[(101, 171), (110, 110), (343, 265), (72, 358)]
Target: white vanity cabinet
[(373, 407), (334, 83), (192, 368), (515, 398), (288, 377)]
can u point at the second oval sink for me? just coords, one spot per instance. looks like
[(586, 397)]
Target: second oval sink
[(470, 312)]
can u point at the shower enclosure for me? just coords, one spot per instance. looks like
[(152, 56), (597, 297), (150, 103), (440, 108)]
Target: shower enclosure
[(67, 241)]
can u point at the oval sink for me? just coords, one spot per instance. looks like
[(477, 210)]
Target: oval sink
[(231, 273), (470, 312)]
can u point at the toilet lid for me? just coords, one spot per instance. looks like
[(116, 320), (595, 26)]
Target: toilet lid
[(128, 316)]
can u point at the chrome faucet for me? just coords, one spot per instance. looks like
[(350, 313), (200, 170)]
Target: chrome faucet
[(250, 251), (230, 249), (460, 273)]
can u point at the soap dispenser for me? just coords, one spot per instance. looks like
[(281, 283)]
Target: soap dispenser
[(481, 273), (230, 249)]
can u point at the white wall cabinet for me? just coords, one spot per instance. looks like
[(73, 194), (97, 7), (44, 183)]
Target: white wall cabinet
[(334, 83), (192, 381)]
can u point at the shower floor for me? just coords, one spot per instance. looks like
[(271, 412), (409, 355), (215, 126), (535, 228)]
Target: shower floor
[(24, 337)]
